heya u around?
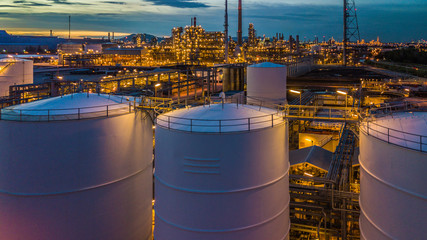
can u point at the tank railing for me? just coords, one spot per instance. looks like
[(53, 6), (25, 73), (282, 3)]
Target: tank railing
[(391, 136), (389, 109), (219, 126), (46, 115), (320, 112)]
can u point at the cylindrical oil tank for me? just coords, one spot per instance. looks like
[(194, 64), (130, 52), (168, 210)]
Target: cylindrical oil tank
[(74, 179), (14, 71), (393, 197), (267, 82), (222, 173)]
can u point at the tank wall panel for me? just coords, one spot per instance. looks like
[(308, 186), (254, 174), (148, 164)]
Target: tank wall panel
[(20, 72), (88, 179), (393, 197), (229, 186), (267, 83)]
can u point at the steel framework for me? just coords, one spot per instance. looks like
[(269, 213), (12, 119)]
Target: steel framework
[(351, 27)]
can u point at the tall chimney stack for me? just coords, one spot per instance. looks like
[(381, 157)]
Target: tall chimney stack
[(69, 27), (226, 31), (195, 21), (239, 32)]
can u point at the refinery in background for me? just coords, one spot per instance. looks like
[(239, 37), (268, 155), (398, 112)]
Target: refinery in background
[(257, 137)]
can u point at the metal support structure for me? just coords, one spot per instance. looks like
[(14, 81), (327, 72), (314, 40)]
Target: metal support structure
[(351, 27)]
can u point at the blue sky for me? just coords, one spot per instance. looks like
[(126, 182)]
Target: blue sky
[(391, 20)]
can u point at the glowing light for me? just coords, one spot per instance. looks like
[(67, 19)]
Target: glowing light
[(308, 174), (294, 91), (342, 92)]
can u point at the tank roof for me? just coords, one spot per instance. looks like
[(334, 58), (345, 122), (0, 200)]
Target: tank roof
[(68, 105), (219, 118), (267, 65), (13, 59), (406, 129)]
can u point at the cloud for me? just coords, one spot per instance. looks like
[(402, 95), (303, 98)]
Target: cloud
[(9, 6), (26, 3), (179, 3), (66, 2), (117, 3)]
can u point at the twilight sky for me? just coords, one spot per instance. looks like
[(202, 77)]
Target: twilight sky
[(391, 20)]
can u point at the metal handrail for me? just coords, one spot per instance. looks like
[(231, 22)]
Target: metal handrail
[(168, 122), (388, 134), (74, 114)]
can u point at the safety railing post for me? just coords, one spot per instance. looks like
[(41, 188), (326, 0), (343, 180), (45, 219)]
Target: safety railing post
[(220, 123), (78, 113), (48, 115), (249, 124), (130, 107), (421, 143), (169, 122), (107, 110), (272, 120), (20, 115), (191, 125), (388, 135), (367, 127)]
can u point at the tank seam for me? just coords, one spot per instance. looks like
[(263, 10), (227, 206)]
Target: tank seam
[(78, 190), (373, 224), (227, 230), (221, 192), (392, 185)]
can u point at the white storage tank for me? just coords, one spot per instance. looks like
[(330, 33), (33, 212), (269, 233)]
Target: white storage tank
[(14, 71), (222, 173), (267, 82), (393, 159), (64, 178)]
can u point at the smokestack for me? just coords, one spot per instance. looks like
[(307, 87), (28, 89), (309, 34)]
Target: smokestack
[(239, 32), (51, 33), (69, 27), (109, 36), (195, 21), (226, 31), (113, 35)]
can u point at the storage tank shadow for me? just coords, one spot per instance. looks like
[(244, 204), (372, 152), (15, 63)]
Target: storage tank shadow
[(393, 158), (222, 173), (75, 167)]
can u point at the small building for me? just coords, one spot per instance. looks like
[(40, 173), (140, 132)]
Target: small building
[(311, 161)]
